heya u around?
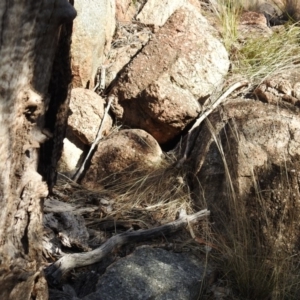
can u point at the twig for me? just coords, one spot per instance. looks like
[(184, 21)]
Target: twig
[(76, 260), (97, 79), (96, 141), (205, 114), (102, 78)]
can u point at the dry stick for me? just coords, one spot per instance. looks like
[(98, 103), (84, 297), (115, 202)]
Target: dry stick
[(96, 141), (205, 115), (102, 78), (97, 79), (76, 260)]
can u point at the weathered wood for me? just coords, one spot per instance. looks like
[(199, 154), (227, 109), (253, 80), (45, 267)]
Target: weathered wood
[(55, 206), (70, 229), (71, 261), (28, 39)]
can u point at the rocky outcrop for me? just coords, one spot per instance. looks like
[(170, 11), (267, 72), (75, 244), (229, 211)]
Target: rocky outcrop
[(152, 273), (125, 151), (92, 34), (160, 90)]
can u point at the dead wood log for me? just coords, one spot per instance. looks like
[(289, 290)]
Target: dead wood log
[(31, 33), (70, 261)]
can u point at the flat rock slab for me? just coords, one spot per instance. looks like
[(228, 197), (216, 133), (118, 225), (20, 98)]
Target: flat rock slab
[(152, 273)]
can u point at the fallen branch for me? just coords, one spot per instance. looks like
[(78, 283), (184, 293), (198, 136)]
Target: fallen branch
[(76, 260), (204, 115), (96, 141)]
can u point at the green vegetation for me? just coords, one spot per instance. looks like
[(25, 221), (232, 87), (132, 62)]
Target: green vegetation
[(260, 57), (256, 56)]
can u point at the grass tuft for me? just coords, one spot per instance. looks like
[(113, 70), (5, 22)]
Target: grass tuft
[(254, 56), (260, 57), (243, 231)]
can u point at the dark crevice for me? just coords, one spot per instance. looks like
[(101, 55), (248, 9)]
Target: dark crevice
[(57, 115), (24, 239)]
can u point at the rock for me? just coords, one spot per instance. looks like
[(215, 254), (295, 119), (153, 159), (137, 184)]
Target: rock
[(253, 25), (118, 155), (253, 18), (125, 10), (278, 89), (128, 40), (261, 151), (159, 90), (92, 34), (152, 273), (71, 157), (157, 12), (86, 112)]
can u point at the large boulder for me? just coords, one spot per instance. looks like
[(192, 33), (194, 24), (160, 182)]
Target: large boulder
[(92, 34), (160, 90), (248, 165), (121, 153)]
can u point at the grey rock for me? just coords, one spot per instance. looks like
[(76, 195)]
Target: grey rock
[(152, 273)]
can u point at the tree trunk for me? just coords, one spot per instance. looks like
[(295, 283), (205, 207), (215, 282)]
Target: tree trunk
[(29, 35)]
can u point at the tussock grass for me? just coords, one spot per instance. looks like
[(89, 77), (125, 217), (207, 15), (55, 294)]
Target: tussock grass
[(153, 196), (228, 12), (256, 57), (162, 191), (261, 57)]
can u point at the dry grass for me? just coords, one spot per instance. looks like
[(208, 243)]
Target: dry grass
[(152, 196), (257, 57), (261, 57), (252, 267)]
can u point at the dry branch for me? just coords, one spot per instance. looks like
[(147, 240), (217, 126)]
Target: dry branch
[(96, 141), (76, 260), (205, 114)]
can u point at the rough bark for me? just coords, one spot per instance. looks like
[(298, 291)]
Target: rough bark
[(29, 35)]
